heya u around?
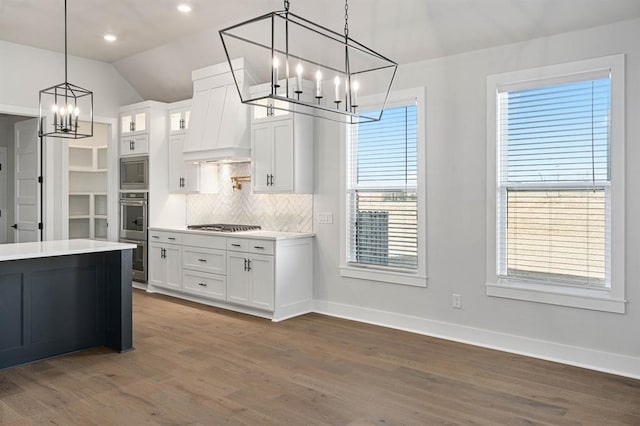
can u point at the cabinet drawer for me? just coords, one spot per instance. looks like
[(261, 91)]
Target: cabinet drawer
[(201, 284), (204, 241), (165, 237), (205, 260), (134, 145), (237, 244), (261, 246)]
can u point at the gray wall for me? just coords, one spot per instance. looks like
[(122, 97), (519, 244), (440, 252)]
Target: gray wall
[(456, 216)]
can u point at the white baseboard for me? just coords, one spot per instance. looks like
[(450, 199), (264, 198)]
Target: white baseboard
[(572, 355)]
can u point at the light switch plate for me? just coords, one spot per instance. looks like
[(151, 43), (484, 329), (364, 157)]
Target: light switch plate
[(325, 218)]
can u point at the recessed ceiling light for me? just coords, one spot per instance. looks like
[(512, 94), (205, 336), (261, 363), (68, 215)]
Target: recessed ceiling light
[(110, 37), (184, 8)]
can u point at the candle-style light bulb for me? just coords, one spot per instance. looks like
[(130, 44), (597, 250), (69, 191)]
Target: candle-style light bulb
[(299, 78), (54, 108), (336, 81), (318, 84), (276, 64), (354, 93)]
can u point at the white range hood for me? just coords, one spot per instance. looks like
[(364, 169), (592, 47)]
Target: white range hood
[(220, 125)]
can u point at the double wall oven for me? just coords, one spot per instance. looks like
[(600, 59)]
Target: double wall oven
[(134, 211)]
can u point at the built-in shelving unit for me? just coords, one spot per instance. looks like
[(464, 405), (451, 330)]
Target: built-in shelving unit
[(88, 200)]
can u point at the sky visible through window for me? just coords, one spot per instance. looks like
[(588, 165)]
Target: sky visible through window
[(559, 133)]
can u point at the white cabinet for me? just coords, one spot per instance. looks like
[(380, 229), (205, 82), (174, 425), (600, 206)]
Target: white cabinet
[(250, 276), (134, 122), (165, 262), (282, 154), (179, 117), (204, 266), (184, 177), (271, 278), (134, 145), (219, 125)]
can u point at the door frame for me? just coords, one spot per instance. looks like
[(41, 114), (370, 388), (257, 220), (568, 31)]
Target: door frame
[(4, 188), (53, 219)]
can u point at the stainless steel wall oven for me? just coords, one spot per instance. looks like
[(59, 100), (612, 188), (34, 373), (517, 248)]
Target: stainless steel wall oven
[(134, 220)]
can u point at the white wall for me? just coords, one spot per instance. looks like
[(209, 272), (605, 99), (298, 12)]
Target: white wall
[(24, 71), (456, 217)]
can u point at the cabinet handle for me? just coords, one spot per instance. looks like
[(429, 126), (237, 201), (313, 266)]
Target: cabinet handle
[(245, 264), (162, 254), (248, 264), (202, 284), (132, 126), (235, 245), (202, 260), (259, 247), (155, 236), (182, 123), (171, 238)]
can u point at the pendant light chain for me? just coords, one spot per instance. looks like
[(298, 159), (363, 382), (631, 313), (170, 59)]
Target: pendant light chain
[(65, 42), (346, 18), (286, 5)]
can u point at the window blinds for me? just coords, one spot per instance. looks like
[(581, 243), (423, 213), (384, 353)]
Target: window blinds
[(382, 184), (554, 179)]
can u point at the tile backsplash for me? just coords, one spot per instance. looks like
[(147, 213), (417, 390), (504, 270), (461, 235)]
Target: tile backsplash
[(274, 212)]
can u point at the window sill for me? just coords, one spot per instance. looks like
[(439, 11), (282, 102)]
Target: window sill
[(373, 274), (584, 298)]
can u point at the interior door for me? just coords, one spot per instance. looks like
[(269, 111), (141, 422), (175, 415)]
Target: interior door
[(3, 195), (27, 188)]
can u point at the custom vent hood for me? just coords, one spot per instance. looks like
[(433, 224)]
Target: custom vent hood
[(220, 125)]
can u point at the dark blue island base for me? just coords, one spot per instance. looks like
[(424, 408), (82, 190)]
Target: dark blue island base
[(55, 305)]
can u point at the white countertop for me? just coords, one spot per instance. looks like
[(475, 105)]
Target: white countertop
[(19, 251), (261, 234)]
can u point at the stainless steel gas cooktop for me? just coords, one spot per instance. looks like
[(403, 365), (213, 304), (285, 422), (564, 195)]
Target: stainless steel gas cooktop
[(224, 227)]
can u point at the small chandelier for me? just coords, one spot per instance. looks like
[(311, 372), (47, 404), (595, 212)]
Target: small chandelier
[(306, 68), (66, 110)]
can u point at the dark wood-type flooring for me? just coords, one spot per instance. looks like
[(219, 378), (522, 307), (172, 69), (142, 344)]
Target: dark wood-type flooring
[(195, 364)]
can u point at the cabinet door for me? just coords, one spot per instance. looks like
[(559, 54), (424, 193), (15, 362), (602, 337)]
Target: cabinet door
[(173, 260), (237, 278), (133, 122), (176, 165), (157, 265), (179, 121), (282, 156), (262, 282), (262, 153), (134, 145)]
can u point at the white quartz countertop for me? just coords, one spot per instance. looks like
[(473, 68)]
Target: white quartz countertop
[(18, 251), (261, 234)]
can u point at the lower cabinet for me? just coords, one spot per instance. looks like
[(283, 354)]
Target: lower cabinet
[(250, 280), (268, 278), (165, 266), (211, 286)]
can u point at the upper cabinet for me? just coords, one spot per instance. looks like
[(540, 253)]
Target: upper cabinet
[(282, 150), (134, 122), (136, 126), (186, 176), (219, 124)]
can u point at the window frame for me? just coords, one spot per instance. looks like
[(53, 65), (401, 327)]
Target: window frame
[(411, 277), (608, 299)]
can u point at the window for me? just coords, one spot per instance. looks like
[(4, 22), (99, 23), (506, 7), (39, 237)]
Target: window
[(383, 219), (554, 140)]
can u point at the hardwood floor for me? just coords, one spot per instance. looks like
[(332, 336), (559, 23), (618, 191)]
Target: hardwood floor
[(195, 364)]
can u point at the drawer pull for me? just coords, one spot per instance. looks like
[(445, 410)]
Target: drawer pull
[(172, 238), (202, 284), (155, 236), (235, 245), (259, 247), (202, 260)]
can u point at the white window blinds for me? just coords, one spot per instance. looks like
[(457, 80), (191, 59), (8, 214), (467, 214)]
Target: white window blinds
[(554, 182), (382, 225)]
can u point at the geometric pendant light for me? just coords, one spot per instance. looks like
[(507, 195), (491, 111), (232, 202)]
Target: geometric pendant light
[(300, 66), (66, 110)]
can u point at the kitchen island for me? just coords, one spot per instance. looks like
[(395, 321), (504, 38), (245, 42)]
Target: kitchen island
[(62, 296)]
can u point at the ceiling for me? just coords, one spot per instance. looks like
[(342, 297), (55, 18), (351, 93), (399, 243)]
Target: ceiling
[(158, 47)]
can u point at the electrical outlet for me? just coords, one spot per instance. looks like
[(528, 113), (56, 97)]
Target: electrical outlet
[(325, 218), (456, 301)]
